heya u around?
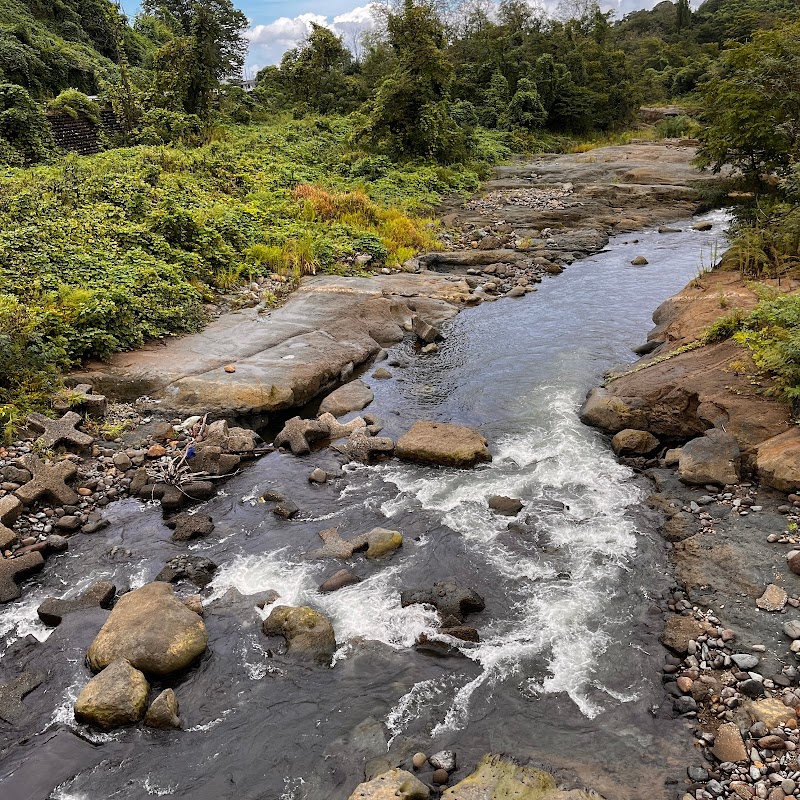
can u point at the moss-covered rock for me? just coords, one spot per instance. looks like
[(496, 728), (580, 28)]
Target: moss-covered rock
[(396, 784), (308, 633), (500, 778)]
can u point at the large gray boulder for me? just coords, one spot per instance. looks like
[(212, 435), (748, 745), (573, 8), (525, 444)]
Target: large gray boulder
[(115, 697), (308, 633), (153, 630), (713, 458)]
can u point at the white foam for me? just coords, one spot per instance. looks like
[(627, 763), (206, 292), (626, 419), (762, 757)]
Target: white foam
[(369, 610), (553, 623)]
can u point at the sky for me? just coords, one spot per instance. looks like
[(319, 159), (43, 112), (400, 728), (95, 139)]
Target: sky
[(276, 27)]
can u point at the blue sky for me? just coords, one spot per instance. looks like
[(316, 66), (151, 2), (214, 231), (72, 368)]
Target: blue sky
[(278, 26)]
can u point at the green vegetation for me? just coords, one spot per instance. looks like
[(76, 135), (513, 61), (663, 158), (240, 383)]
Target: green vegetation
[(333, 155), (98, 254), (772, 334)]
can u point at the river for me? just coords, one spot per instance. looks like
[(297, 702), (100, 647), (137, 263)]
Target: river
[(567, 669)]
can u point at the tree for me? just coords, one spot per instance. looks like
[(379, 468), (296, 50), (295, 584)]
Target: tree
[(525, 109), (751, 110), (315, 74), (410, 114), (210, 46), (683, 15)]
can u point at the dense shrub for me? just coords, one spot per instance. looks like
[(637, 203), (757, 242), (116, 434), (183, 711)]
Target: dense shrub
[(24, 132)]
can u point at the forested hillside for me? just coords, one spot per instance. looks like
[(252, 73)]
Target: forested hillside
[(47, 46)]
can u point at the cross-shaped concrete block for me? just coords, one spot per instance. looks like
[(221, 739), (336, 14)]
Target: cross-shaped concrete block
[(10, 508), (81, 397), (338, 430), (365, 448), (15, 569), (56, 431), (49, 481), (299, 433)]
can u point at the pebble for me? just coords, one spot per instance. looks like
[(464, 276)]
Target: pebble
[(418, 760), (440, 777)]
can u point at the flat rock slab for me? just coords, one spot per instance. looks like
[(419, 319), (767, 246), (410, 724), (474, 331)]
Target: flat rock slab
[(443, 444), (12, 709), (377, 543), (64, 754), (352, 396), (99, 595), (60, 431), (773, 599), (284, 358), (16, 569), (49, 481)]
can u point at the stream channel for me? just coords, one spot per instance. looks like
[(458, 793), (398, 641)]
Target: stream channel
[(567, 669)]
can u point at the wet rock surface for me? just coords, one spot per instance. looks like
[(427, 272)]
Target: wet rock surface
[(242, 677), (152, 630)]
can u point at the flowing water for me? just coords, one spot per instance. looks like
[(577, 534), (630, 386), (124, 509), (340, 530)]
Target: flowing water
[(567, 669)]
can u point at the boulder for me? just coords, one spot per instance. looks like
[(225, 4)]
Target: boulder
[(396, 784), (640, 261), (115, 697), (424, 331), (443, 444), (153, 630), (339, 580), (507, 506), (713, 458), (778, 461), (52, 611), (447, 597), (195, 569), (498, 776), (381, 542), (631, 442), (299, 434), (163, 712), (190, 526), (352, 396), (611, 414), (308, 633)]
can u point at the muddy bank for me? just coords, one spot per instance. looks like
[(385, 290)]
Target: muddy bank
[(531, 222)]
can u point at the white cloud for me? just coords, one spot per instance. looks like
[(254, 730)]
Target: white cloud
[(269, 42)]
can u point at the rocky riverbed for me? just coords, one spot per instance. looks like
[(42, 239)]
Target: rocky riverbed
[(468, 583)]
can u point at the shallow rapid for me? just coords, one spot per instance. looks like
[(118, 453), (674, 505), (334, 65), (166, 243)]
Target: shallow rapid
[(566, 672)]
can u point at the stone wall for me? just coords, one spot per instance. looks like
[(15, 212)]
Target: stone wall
[(80, 135)]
